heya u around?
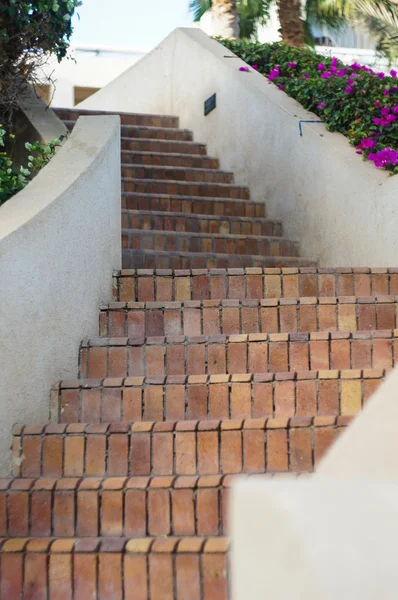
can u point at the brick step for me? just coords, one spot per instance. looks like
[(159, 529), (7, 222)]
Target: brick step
[(252, 283), (149, 133), (157, 259), (171, 221), (72, 114), (114, 506), (174, 447), (163, 146), (176, 173), (186, 188), (112, 569), (283, 315), (192, 205), (208, 243), (253, 353), (192, 161), (179, 397)]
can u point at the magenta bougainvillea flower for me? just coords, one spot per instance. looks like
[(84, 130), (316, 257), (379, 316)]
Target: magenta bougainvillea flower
[(393, 73), (306, 76), (321, 67), (380, 75), (349, 89), (245, 69), (385, 110), (384, 158), (341, 73), (292, 65), (274, 74), (326, 75), (282, 87), (386, 92), (377, 103), (321, 105), (255, 67), (395, 110), (367, 143)]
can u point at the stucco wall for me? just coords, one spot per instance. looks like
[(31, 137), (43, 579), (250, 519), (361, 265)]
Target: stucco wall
[(59, 242), (340, 208)]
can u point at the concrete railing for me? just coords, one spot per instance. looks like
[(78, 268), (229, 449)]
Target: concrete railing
[(59, 242), (339, 207), (332, 535)]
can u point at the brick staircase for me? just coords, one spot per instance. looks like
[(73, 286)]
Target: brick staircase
[(223, 353)]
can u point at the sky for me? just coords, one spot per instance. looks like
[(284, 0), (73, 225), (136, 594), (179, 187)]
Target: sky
[(139, 24)]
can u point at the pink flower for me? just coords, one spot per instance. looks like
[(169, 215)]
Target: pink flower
[(321, 67), (395, 110), (292, 65), (282, 87), (306, 76), (377, 103), (366, 143), (384, 158), (380, 75), (321, 105), (349, 89), (245, 69), (255, 67), (350, 81), (326, 75), (393, 73), (341, 73), (385, 110), (386, 92), (377, 121), (274, 74)]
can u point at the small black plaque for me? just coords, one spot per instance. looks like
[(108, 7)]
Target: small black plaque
[(210, 104)]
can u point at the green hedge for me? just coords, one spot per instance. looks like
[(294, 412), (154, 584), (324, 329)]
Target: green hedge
[(353, 100)]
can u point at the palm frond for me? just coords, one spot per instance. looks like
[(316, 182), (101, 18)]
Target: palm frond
[(199, 8), (380, 18), (331, 13)]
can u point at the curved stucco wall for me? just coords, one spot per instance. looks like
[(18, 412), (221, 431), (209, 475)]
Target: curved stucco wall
[(59, 242), (340, 208)]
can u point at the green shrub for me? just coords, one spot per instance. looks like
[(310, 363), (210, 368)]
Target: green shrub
[(13, 180), (353, 100)]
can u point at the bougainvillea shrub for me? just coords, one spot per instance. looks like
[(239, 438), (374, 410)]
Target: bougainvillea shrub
[(354, 100)]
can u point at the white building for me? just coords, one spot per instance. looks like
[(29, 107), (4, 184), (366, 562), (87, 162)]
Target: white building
[(83, 72)]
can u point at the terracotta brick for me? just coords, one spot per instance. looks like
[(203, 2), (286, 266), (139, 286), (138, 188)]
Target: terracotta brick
[(218, 401), (135, 511), (135, 577), (35, 576), (361, 354), (31, 447), (231, 452), (97, 362), (197, 402), (319, 355), (11, 576), (161, 576), (301, 450), (207, 447), (323, 439), (183, 512), (141, 454), (185, 453), (188, 577), (162, 456), (87, 513), (60, 576), (175, 402), (306, 399), (351, 397), (158, 512), (90, 406), (110, 576), (285, 399), (254, 451), (64, 514), (277, 455), (237, 358), (328, 398), (84, 576), (262, 400), (258, 356), (95, 455), (52, 456), (74, 456), (278, 356), (117, 455), (214, 568), (196, 359)]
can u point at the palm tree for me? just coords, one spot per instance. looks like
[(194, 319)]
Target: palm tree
[(256, 12), (378, 17), (226, 15)]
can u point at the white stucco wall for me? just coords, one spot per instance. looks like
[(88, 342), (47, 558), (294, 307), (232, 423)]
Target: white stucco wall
[(59, 242), (340, 208)]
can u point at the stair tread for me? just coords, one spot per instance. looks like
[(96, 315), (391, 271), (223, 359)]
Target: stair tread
[(195, 216)]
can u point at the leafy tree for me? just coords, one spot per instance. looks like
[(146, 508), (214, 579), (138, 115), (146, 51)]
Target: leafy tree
[(29, 32)]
